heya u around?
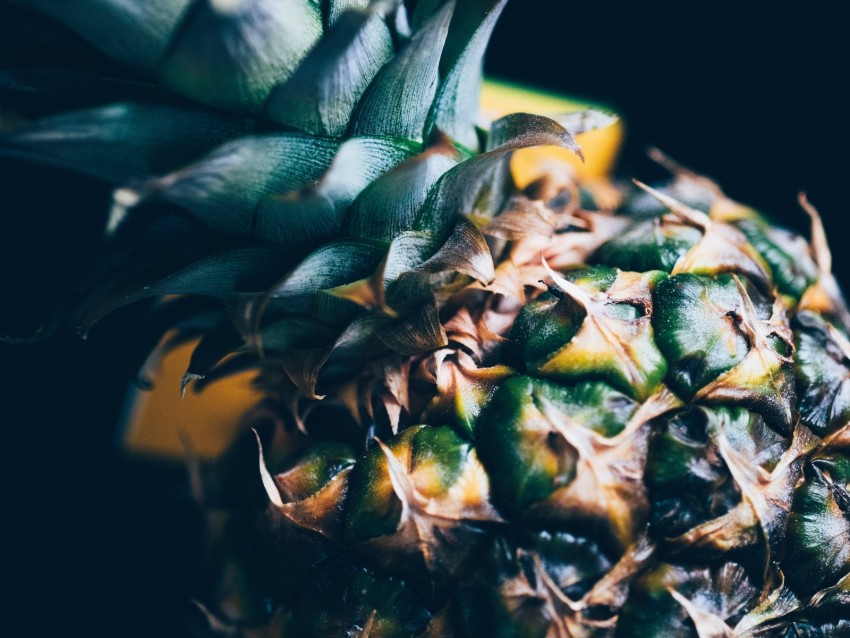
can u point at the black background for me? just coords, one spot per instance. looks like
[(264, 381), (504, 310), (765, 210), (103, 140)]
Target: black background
[(93, 544)]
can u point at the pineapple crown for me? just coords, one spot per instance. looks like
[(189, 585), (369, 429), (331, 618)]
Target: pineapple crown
[(324, 178)]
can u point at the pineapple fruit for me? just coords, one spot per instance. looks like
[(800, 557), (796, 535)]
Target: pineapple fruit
[(502, 395)]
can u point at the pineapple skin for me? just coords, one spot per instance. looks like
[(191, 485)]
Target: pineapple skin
[(654, 452), (652, 442)]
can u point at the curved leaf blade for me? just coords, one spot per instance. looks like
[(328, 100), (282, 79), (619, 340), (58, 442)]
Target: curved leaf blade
[(303, 219), (243, 270), (125, 141), (480, 184), (232, 54), (321, 95), (388, 206), (455, 108), (327, 267), (224, 189), (398, 100), (137, 33)]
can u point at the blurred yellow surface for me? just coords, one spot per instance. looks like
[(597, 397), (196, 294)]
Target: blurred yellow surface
[(160, 419)]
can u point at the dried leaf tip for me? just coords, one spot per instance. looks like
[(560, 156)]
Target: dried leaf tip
[(820, 247), (690, 215), (123, 199), (577, 294), (186, 380), (668, 163), (265, 475), (758, 330)]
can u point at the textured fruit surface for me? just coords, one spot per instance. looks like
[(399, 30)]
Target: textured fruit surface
[(501, 396)]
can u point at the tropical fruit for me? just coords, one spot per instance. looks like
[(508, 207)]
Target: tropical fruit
[(499, 399)]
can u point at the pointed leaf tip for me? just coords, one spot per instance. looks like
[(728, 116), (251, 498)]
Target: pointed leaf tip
[(268, 481), (398, 100)]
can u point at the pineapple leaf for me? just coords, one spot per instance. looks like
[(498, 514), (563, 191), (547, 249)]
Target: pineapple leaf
[(243, 270), (299, 220), (302, 219), (399, 98), (466, 252), (232, 53), (331, 265), (321, 95), (54, 90), (293, 332), (419, 332), (388, 206), (407, 250), (123, 141), (223, 189), (479, 184), (136, 33), (337, 8), (455, 108)]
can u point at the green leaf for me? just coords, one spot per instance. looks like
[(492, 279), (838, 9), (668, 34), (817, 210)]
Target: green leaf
[(331, 265), (294, 332), (219, 276), (337, 8), (423, 10), (455, 108), (224, 189), (429, 264), (136, 33), (465, 252), (48, 90), (343, 350), (417, 333), (299, 220), (127, 141), (480, 184), (304, 218), (232, 53), (398, 100), (321, 95), (521, 130), (407, 251), (388, 206)]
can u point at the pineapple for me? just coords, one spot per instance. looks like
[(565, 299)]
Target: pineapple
[(528, 403)]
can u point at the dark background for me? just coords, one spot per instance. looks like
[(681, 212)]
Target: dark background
[(751, 93)]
